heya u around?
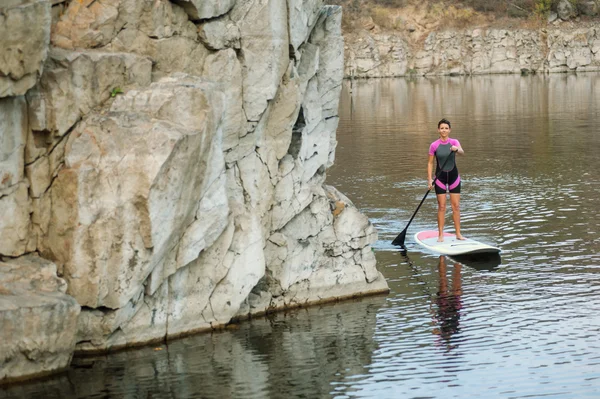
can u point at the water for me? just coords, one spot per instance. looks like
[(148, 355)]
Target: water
[(525, 326)]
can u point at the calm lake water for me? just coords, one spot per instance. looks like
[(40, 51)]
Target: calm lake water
[(524, 326)]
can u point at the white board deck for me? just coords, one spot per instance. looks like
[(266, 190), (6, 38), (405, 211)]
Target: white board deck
[(451, 245)]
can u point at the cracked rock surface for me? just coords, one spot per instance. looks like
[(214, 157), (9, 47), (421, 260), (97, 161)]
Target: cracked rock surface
[(163, 165), (474, 51)]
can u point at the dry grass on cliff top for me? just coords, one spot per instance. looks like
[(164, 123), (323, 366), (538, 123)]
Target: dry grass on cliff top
[(417, 17)]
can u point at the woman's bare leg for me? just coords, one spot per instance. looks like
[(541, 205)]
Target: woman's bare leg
[(441, 198), (455, 203)]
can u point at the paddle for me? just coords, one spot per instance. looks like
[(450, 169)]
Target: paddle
[(399, 241)]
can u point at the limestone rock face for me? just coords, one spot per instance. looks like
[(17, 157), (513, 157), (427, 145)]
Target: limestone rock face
[(24, 38), (76, 82), (302, 255), (264, 50), (170, 163), (140, 189), (313, 251), (13, 135), (205, 9), (37, 319), (16, 230), (219, 34), (87, 24), (473, 51), (303, 16)]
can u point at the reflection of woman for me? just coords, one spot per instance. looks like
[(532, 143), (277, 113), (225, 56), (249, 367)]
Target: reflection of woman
[(448, 178), (448, 301)]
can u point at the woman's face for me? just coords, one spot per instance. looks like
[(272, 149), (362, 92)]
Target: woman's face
[(444, 130)]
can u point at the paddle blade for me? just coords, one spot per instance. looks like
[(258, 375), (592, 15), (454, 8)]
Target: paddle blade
[(399, 241)]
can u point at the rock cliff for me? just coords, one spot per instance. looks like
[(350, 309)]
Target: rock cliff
[(162, 170), (565, 47)]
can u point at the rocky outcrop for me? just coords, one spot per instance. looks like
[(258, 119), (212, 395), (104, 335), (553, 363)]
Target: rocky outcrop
[(474, 51), (37, 320), (165, 162)]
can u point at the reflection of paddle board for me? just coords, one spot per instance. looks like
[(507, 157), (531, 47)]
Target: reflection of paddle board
[(482, 262), (451, 245)]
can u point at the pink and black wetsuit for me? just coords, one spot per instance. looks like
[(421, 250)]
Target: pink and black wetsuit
[(448, 179)]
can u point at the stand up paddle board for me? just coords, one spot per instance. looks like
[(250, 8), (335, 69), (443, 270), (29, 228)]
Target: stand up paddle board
[(451, 245)]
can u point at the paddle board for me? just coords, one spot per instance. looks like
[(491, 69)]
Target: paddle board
[(451, 245)]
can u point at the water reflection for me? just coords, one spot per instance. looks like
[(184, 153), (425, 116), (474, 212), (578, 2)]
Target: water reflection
[(525, 324), (481, 262), (514, 122), (293, 354), (448, 304)]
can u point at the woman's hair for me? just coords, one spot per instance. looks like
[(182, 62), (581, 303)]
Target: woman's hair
[(446, 121)]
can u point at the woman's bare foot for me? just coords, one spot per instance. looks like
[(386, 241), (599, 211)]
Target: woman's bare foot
[(460, 237), (441, 239)]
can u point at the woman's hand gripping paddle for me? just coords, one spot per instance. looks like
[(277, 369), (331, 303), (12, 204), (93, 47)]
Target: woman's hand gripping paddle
[(399, 240)]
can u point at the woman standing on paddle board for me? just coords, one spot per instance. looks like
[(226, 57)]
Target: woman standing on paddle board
[(448, 179)]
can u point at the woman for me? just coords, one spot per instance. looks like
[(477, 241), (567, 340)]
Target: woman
[(448, 178)]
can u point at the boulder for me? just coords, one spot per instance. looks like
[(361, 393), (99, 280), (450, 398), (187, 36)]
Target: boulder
[(219, 34), (588, 7), (565, 10), (37, 319)]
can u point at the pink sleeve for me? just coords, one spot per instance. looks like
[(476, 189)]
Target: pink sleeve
[(456, 143), (432, 148)]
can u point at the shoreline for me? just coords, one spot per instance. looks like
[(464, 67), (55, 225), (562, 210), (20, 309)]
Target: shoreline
[(473, 51), (452, 75)]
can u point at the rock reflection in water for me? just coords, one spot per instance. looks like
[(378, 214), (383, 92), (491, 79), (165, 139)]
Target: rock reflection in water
[(297, 354)]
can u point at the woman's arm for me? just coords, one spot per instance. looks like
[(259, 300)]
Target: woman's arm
[(430, 171), (457, 149)]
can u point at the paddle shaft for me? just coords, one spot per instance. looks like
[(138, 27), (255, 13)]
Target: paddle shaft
[(399, 240)]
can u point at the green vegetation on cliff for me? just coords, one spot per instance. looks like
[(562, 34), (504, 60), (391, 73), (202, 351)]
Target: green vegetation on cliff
[(399, 14)]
